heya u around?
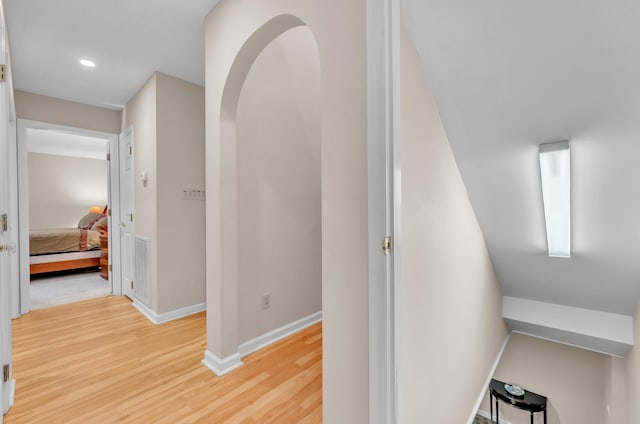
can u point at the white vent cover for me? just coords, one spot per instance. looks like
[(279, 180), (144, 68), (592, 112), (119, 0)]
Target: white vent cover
[(141, 272)]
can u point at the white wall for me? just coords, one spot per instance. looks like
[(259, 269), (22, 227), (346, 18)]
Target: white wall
[(63, 188), (180, 166), (451, 327), (279, 222), (339, 28), (573, 380), (63, 112)]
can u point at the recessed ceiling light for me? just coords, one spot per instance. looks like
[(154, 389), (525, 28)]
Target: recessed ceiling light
[(87, 63)]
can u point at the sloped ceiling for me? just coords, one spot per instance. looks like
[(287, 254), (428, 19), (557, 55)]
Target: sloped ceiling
[(509, 75), (127, 39)]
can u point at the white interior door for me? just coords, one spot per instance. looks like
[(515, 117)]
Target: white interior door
[(127, 230), (7, 248)]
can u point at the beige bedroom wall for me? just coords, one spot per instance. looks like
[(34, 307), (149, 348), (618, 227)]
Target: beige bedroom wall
[(278, 155), (63, 112), (180, 166), (140, 112), (63, 188), (573, 380), (451, 322), (339, 28), (632, 371)]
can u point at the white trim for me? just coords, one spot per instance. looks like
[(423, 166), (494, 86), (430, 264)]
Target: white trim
[(118, 216), (567, 344), (157, 318), (486, 415), (273, 336), (588, 322), (24, 281), (12, 392), (383, 142), (221, 366), (14, 224), (114, 219), (485, 387), (24, 287)]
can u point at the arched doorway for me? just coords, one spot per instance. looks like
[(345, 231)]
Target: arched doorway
[(232, 235)]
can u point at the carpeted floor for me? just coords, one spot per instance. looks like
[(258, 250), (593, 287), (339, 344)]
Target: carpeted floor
[(67, 288)]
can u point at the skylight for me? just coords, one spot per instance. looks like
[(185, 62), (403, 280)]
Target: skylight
[(555, 170)]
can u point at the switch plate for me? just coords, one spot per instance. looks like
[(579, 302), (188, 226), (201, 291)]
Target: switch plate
[(266, 301)]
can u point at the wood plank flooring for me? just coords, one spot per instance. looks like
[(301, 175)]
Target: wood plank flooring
[(100, 361)]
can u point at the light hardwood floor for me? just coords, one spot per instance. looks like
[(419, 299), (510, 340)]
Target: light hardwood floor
[(100, 361)]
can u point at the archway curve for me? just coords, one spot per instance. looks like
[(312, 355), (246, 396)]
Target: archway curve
[(245, 58), (225, 357)]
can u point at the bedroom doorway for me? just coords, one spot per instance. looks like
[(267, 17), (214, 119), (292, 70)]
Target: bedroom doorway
[(68, 198)]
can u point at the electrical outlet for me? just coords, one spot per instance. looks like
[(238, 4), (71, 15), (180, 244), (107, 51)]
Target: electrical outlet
[(266, 301)]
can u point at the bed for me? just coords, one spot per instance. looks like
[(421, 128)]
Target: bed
[(62, 249)]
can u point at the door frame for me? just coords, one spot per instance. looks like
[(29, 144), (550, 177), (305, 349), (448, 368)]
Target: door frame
[(384, 197), (126, 290), (23, 283)]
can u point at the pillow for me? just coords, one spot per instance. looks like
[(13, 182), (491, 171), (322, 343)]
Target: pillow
[(87, 221), (101, 225)]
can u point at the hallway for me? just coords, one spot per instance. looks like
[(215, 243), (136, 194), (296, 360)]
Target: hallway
[(100, 361)]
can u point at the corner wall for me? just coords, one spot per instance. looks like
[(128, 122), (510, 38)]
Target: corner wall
[(451, 326), (180, 166), (167, 116), (632, 372)]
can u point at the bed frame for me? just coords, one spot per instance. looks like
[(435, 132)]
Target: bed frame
[(64, 261)]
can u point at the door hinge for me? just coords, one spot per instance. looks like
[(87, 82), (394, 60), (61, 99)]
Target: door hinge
[(386, 245), (110, 267), (3, 73), (131, 217), (109, 212), (6, 372), (4, 223), (130, 150), (131, 284)]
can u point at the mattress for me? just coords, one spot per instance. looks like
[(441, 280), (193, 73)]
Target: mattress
[(61, 240)]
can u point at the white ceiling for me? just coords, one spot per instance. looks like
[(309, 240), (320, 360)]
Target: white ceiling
[(508, 75), (62, 143), (127, 39)]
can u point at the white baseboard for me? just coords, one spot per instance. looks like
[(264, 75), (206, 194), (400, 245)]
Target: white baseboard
[(12, 395), (156, 318), (485, 387), (221, 366), (488, 416), (273, 336), (12, 392)]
